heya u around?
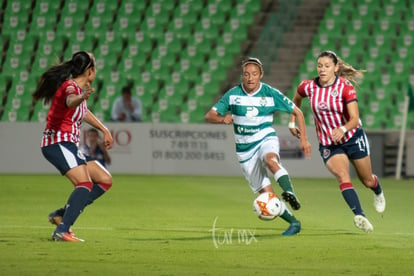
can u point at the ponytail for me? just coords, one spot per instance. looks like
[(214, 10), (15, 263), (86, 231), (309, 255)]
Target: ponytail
[(350, 73), (53, 78)]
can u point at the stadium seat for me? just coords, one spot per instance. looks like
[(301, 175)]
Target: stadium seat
[(209, 29), (183, 11), (97, 25), (231, 43), (39, 113), (103, 8), (191, 54), (180, 28), (170, 41), (153, 27), (132, 8)]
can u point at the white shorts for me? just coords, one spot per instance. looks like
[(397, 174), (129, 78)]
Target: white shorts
[(255, 170)]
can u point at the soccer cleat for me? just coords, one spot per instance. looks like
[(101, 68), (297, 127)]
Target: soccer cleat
[(379, 203), (292, 199), (65, 236), (293, 229), (363, 223)]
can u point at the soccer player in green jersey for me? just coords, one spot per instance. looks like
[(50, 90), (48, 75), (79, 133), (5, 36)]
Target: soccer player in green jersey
[(250, 106)]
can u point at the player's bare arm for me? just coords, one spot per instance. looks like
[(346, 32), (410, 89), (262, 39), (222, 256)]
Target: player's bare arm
[(213, 117)]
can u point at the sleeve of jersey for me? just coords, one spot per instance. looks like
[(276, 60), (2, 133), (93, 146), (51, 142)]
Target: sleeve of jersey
[(70, 89), (301, 89), (349, 93), (282, 102), (222, 106)]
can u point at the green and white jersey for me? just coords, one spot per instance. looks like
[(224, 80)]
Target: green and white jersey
[(252, 116)]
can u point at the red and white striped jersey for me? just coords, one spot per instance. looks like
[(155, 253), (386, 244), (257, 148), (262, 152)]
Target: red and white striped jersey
[(63, 123), (329, 107)]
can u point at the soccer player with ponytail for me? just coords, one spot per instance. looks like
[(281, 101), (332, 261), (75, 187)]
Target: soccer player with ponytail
[(333, 101), (66, 87)]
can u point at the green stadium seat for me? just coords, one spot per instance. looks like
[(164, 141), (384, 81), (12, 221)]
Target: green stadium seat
[(19, 101), (203, 44), (223, 55), (371, 121), (42, 22), (197, 59), (214, 13), (330, 25), (187, 69), (232, 45), (68, 24), (132, 8), (196, 116), (243, 14), (125, 25), (159, 12), (153, 27), (171, 41), (39, 113), (142, 40), (189, 17), (209, 29), (47, 48), (104, 7), (97, 26), (180, 28), (14, 64), (158, 70)]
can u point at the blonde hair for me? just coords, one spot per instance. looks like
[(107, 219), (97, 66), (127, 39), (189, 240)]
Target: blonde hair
[(345, 70)]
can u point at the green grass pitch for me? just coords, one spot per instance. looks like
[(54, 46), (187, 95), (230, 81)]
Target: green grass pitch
[(194, 225)]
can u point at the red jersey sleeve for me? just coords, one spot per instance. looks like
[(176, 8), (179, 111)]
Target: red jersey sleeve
[(301, 88), (349, 93)]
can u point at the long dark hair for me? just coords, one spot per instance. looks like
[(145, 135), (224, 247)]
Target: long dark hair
[(51, 79)]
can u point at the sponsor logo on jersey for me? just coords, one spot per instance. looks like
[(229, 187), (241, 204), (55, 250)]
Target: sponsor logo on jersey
[(252, 112), (242, 130), (322, 106)]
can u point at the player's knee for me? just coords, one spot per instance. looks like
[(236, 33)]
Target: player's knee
[(272, 161), (105, 185)]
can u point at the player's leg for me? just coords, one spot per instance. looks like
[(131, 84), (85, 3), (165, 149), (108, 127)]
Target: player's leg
[(101, 178), (370, 180), (294, 223), (76, 202), (269, 152), (71, 163), (359, 155), (338, 165)]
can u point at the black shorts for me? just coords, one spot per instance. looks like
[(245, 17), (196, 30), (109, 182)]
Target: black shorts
[(356, 148), (64, 156)]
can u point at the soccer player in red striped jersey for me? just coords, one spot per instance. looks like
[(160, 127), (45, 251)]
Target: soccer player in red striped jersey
[(333, 101), (67, 87)]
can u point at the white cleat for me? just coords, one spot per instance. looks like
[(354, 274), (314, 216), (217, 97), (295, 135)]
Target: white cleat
[(363, 223), (379, 203)]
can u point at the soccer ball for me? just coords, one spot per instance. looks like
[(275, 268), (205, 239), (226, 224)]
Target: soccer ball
[(267, 206)]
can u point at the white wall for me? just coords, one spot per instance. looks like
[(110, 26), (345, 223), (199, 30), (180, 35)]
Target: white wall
[(145, 148)]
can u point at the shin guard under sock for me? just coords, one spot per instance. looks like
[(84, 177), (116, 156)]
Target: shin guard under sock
[(351, 198), (282, 178), (377, 188), (97, 191), (75, 205)]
